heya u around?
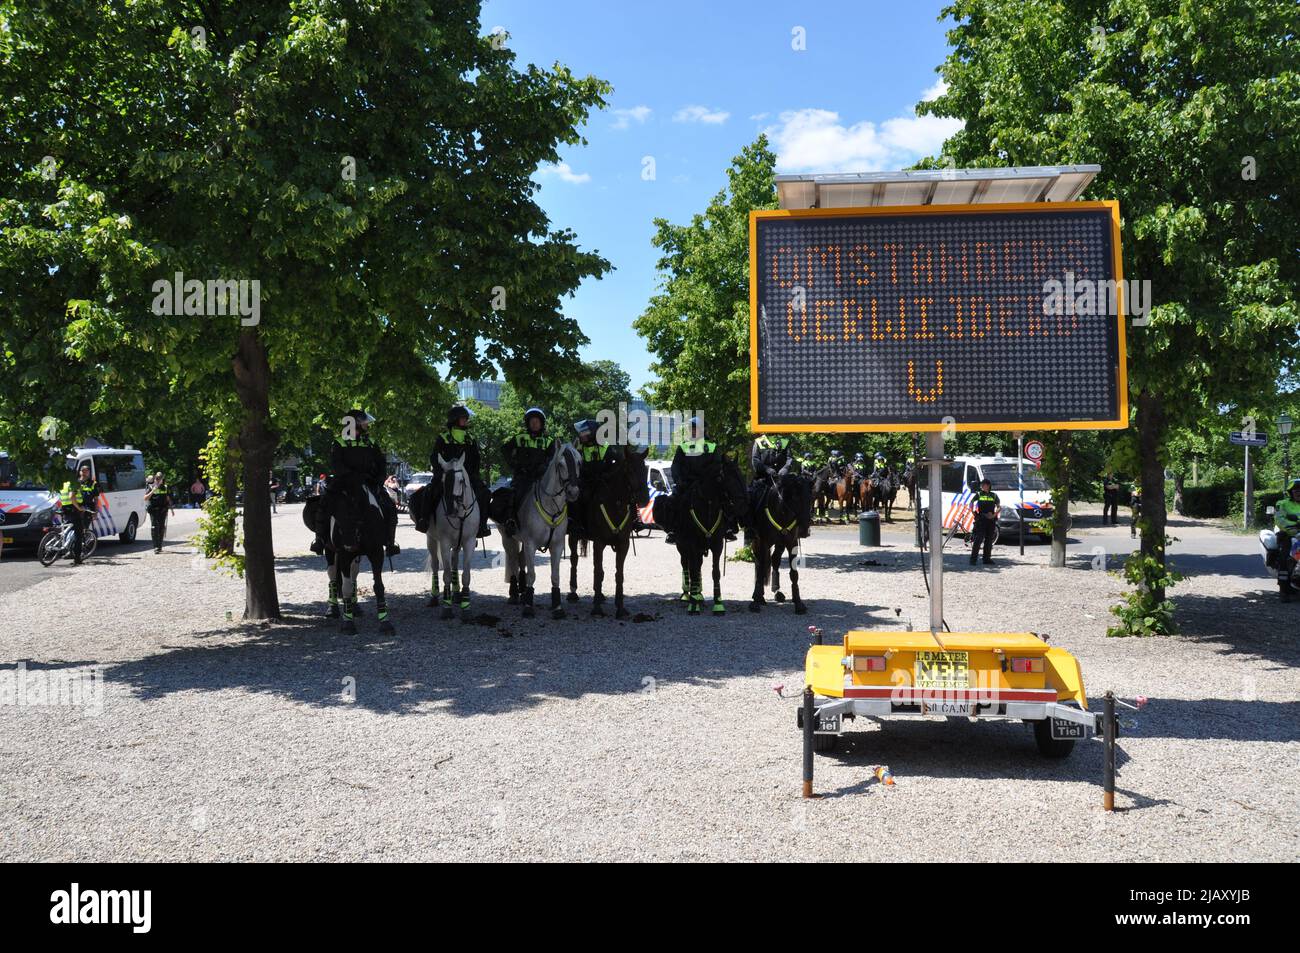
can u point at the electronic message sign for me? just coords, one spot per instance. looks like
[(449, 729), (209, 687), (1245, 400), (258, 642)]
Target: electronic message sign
[(978, 317)]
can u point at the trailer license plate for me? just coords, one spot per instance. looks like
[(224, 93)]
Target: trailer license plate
[(942, 669), (960, 709), (1063, 730), (829, 724)]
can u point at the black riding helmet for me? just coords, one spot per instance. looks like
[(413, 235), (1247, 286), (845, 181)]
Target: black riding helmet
[(456, 413), (360, 417), (535, 412), (587, 426)]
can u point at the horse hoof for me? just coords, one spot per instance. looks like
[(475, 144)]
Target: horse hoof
[(386, 628), (621, 613), (349, 627), (800, 608), (779, 596), (333, 612), (432, 603), (719, 609), (572, 597), (512, 601), (557, 613), (596, 610), (755, 606), (446, 612), (529, 612)]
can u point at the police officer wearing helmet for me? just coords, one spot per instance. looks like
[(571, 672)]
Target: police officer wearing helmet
[(1286, 517), (986, 506), (526, 455), (457, 442), (696, 459), (597, 461), (836, 463), (356, 462), (772, 457)]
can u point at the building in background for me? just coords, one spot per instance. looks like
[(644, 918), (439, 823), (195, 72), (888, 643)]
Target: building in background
[(485, 392)]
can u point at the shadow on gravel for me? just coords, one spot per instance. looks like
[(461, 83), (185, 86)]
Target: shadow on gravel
[(1261, 625), (960, 749), (507, 665)]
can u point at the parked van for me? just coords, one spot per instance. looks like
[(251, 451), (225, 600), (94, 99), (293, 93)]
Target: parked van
[(29, 509), (960, 482), (658, 474)]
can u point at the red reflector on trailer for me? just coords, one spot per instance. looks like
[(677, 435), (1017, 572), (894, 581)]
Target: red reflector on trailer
[(868, 663), (1026, 665)]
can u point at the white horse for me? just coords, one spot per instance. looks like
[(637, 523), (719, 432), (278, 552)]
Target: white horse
[(452, 532), (542, 516)]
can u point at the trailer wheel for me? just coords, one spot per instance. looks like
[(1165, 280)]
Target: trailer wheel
[(825, 742), (1048, 746)]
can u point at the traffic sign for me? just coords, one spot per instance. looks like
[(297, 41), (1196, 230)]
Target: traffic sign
[(1248, 438), (1034, 452), (931, 317)]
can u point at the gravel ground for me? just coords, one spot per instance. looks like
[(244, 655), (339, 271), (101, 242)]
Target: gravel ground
[(593, 739)]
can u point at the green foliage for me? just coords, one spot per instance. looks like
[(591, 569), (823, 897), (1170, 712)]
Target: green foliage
[(1213, 501), (215, 537), (1144, 610), (697, 325), (371, 165), (745, 554)]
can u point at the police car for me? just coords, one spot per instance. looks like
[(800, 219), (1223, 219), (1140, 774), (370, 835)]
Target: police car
[(960, 484), (28, 508)]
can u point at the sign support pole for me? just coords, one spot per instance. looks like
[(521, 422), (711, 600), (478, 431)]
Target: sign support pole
[(934, 460), (1246, 494)]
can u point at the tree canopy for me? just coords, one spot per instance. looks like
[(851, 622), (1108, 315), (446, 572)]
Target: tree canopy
[(369, 165)]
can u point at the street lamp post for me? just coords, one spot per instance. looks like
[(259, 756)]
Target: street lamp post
[(1284, 428)]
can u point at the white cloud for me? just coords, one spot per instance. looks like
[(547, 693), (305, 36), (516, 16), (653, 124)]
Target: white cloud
[(934, 92), (623, 118), (759, 117), (816, 140), (565, 172), (701, 114)]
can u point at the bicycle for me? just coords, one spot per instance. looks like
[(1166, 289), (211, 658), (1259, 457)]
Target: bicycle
[(61, 542)]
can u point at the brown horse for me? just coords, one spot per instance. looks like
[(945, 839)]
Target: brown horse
[(845, 492), (868, 496)]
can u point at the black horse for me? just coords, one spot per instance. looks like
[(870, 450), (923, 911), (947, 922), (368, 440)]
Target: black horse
[(699, 519), (609, 515), (774, 516), (357, 528)]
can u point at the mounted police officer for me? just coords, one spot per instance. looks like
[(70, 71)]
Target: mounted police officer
[(837, 463), (696, 459), (772, 457), (356, 462), (526, 455), (80, 501), (986, 506), (457, 442), (158, 501), (597, 461)]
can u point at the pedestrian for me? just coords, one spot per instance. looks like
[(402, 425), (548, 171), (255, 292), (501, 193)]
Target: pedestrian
[(275, 489), (1136, 503), (986, 522), (197, 491), (1109, 499), (158, 501)]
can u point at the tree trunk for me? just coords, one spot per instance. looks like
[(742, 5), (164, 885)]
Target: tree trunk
[(257, 444), (1151, 425), (1061, 501)]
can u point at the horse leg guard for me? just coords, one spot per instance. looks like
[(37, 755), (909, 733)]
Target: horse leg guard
[(514, 592), (333, 612)]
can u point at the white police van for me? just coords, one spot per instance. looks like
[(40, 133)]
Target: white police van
[(28, 508), (960, 484), (659, 477)]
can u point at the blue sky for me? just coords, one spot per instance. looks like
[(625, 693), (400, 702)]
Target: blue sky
[(695, 82)]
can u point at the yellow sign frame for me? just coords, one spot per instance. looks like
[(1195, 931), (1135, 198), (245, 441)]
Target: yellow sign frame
[(1118, 423)]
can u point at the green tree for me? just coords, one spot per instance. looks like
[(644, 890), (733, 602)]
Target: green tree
[(369, 164), (1193, 113), (697, 326)]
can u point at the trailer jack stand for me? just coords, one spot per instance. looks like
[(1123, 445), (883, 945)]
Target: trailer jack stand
[(1108, 777)]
